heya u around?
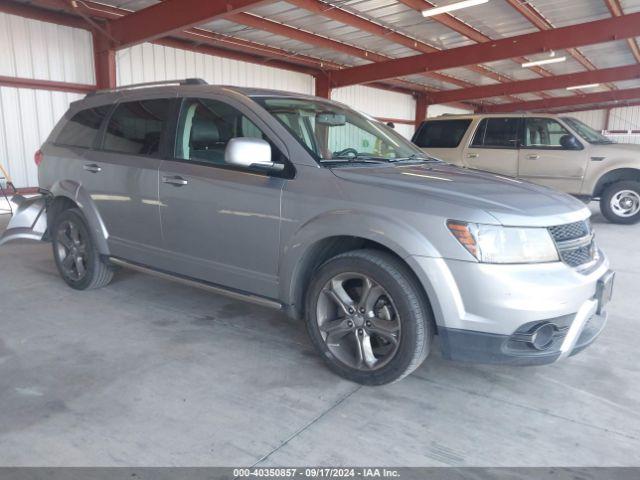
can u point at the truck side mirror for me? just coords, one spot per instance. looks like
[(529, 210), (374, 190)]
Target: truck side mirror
[(569, 142)]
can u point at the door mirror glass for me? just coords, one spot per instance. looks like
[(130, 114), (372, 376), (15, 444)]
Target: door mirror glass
[(250, 153), (569, 142)]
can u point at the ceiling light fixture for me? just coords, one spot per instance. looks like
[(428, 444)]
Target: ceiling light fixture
[(430, 12), (584, 87), (546, 61)]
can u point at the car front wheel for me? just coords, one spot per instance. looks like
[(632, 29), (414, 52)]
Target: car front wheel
[(368, 317), (620, 202)]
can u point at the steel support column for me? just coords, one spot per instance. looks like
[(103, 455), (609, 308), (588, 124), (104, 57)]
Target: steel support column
[(421, 109), (104, 55)]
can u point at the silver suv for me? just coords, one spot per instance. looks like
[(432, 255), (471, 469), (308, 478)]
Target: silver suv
[(558, 152), (301, 204)]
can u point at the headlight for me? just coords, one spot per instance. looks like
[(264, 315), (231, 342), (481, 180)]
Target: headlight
[(496, 244)]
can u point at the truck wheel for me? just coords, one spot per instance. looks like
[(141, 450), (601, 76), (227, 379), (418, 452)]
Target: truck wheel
[(620, 202), (76, 256), (368, 317)]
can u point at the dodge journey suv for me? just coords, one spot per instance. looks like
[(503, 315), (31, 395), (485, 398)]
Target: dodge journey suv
[(559, 152), (301, 204)]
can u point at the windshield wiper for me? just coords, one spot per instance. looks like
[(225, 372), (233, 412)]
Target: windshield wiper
[(418, 157), (360, 157)]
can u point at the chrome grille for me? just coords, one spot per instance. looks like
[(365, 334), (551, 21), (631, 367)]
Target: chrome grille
[(570, 231), (575, 243)]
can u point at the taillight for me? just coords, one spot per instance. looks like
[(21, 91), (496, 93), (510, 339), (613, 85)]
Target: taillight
[(37, 157)]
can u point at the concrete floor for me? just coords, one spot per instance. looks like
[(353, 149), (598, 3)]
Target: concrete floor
[(148, 372)]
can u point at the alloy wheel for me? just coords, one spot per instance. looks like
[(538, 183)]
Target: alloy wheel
[(71, 250), (358, 321)]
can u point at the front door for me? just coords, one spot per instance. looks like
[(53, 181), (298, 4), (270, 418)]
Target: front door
[(494, 147), (550, 155), (220, 223), (121, 176)]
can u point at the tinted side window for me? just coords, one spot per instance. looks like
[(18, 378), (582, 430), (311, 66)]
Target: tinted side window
[(497, 133), (441, 133), (136, 127), (83, 127), (205, 128)]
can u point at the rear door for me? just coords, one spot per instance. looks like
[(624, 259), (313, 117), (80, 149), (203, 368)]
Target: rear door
[(494, 146), (442, 139), (220, 223), (548, 159), (121, 176)]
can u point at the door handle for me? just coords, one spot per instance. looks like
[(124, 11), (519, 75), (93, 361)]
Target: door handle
[(176, 181), (473, 155), (92, 167), (533, 157)]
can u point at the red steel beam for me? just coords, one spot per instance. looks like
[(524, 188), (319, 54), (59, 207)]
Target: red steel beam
[(531, 14), (353, 20), (104, 57), (616, 10), (171, 16), (421, 109), (222, 45), (401, 121), (615, 74), (462, 28), (277, 28), (36, 84), (27, 11), (562, 102), (599, 31), (583, 108)]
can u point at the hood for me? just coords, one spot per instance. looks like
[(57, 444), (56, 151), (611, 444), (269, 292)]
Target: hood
[(618, 150), (508, 200)]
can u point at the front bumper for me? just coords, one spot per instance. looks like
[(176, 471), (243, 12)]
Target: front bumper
[(490, 313)]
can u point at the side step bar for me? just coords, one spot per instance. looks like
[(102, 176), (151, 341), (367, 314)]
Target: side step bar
[(235, 294)]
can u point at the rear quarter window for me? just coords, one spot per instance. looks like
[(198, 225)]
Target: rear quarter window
[(136, 127), (441, 133), (81, 130)]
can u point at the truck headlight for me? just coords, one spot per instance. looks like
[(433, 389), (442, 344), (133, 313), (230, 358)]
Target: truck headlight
[(497, 244)]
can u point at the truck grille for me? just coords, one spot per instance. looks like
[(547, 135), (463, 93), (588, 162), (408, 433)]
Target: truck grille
[(575, 243)]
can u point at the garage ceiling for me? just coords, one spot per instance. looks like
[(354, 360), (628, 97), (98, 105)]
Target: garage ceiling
[(345, 42)]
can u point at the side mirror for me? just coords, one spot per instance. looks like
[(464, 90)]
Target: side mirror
[(252, 153), (569, 142)]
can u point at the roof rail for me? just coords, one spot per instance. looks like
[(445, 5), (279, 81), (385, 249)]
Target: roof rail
[(185, 81)]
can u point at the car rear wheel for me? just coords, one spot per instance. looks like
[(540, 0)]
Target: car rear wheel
[(77, 258), (620, 202), (368, 317)]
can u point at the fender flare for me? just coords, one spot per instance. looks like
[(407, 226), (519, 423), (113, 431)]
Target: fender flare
[(77, 194), (405, 242)]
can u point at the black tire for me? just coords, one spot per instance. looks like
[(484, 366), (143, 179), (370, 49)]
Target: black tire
[(609, 197), (91, 271), (414, 317)]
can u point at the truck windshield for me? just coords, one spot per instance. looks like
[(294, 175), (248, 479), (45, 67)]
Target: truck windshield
[(335, 134), (586, 132)]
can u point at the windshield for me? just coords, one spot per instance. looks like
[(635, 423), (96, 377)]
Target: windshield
[(586, 132), (336, 134)]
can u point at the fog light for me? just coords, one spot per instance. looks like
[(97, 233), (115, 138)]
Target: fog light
[(542, 337)]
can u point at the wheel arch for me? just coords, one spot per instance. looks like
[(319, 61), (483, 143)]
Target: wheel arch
[(613, 176), (68, 194), (333, 232)]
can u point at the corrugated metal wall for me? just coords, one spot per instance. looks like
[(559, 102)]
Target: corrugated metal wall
[(594, 118), (34, 49), (148, 63), (624, 118), (379, 103)]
